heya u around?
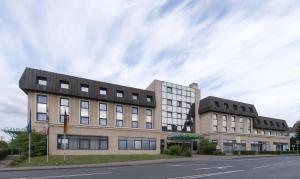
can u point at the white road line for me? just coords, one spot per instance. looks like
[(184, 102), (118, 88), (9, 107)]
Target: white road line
[(207, 175), (66, 176), (264, 166), (180, 165), (221, 167)]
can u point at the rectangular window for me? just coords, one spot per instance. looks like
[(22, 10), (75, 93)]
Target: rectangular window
[(134, 117), (84, 88), (103, 91), (120, 94), (179, 104), (130, 143), (249, 126), (135, 96), (215, 123), (84, 112), (41, 114), (148, 118), (119, 114), (149, 99), (169, 90), (64, 84), (77, 142), (42, 81), (233, 124), (64, 108), (224, 123), (103, 114), (242, 125), (169, 102)]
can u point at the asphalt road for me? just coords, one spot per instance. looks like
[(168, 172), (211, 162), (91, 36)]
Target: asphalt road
[(242, 168)]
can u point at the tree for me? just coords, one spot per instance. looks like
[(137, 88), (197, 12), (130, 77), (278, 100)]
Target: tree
[(38, 143)]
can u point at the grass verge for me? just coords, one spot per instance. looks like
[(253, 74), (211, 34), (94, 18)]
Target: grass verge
[(87, 159)]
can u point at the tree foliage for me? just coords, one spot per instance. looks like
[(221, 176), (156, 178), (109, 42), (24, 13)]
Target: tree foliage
[(206, 147), (38, 143)]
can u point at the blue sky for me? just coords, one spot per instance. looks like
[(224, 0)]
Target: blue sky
[(241, 50)]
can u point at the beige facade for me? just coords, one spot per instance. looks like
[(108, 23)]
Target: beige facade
[(93, 128), (249, 136)]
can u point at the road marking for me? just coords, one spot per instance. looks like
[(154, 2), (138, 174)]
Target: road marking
[(66, 176), (181, 165), (221, 167), (264, 166), (207, 175)]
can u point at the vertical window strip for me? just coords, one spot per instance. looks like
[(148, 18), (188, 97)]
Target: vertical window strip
[(84, 112), (149, 119), (41, 112), (103, 114), (64, 107)]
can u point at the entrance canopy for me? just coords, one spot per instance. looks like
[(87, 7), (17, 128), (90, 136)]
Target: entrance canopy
[(184, 137)]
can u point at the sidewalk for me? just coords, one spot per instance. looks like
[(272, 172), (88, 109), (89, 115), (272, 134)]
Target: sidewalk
[(142, 162)]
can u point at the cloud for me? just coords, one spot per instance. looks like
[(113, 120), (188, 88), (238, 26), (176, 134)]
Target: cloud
[(242, 50)]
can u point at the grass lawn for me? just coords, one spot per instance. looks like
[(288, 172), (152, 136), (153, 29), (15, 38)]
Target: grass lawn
[(89, 159)]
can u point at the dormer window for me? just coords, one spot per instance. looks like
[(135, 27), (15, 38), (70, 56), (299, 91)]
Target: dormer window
[(251, 110), (120, 94), (103, 91), (235, 107), (283, 125), (243, 108), (271, 122), (217, 104), (258, 121), (135, 96), (84, 88), (226, 105), (149, 99), (265, 122), (42, 81), (277, 124), (64, 84)]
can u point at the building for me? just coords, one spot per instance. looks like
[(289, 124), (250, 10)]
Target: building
[(107, 118), (237, 126)]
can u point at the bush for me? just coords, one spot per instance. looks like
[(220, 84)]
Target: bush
[(249, 152), (3, 145), (178, 150), (219, 153), (3, 153), (206, 147), (236, 152), (270, 152)]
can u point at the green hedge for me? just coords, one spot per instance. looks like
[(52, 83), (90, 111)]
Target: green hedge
[(219, 153), (248, 152), (178, 150), (278, 152), (3, 153)]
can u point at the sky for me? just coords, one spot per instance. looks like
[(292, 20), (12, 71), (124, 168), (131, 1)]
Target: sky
[(241, 50)]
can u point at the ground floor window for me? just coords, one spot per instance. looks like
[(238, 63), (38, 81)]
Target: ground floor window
[(280, 146), (259, 146), (231, 145), (79, 142), (131, 143)]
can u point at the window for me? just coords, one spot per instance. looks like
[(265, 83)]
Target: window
[(103, 114), (188, 105), (64, 107), (217, 104), (130, 143), (134, 117), (283, 125), (226, 105), (120, 94), (149, 99), (265, 122), (271, 122), (277, 124), (264, 132), (148, 118), (243, 108), (235, 107), (135, 97), (256, 131), (215, 123), (269, 133), (169, 90), (41, 114), (42, 81), (250, 109), (241, 125), (224, 123), (84, 112), (119, 112), (249, 126), (85, 88), (233, 124), (169, 102), (179, 104), (77, 142), (103, 91), (64, 84)]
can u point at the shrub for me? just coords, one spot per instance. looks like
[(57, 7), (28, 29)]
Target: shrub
[(249, 152), (236, 152), (219, 153), (3, 153), (270, 152), (178, 150), (206, 147)]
